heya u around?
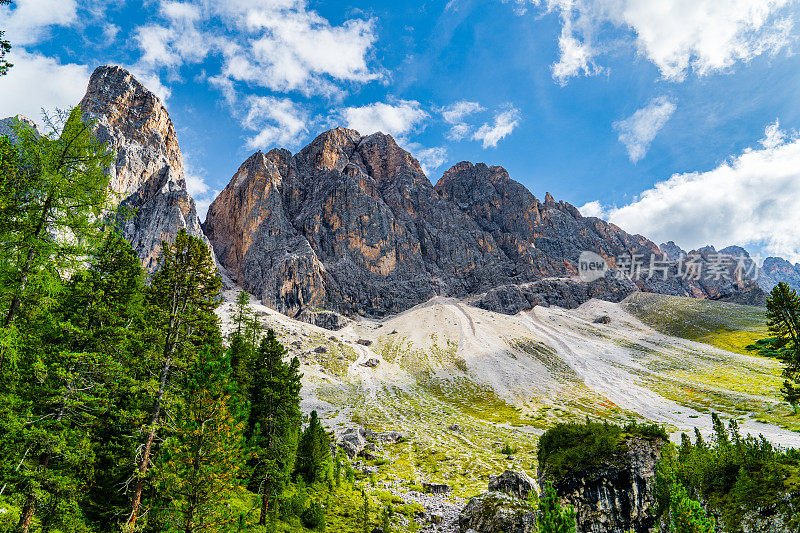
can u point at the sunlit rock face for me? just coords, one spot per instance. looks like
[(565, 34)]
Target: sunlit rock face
[(352, 224), (147, 177)]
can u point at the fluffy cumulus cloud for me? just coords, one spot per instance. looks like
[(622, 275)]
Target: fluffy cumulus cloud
[(750, 200), (505, 121), (27, 22), (280, 45), (274, 121), (638, 130), (396, 118), (36, 82), (676, 35)]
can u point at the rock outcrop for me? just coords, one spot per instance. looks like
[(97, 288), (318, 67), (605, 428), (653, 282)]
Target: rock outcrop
[(496, 512), (352, 225), (617, 496), (147, 177), (516, 484)]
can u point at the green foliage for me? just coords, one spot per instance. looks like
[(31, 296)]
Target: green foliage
[(552, 517), (53, 192), (734, 475), (573, 447), (783, 320), (314, 452), (5, 47), (274, 422), (507, 449), (201, 462), (314, 517)]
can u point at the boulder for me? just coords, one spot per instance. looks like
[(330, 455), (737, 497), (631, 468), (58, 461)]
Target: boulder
[(496, 512), (436, 488), (323, 318), (516, 484), (353, 441), (371, 363)]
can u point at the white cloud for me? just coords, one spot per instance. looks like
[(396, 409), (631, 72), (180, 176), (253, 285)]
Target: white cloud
[(593, 209), (455, 114), (504, 123), (676, 35), (275, 121), (28, 21), (750, 200), (638, 130), (396, 119), (279, 45), (36, 82)]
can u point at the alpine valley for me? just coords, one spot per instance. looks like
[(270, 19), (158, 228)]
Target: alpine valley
[(443, 329)]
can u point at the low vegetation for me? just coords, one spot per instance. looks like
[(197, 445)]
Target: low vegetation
[(575, 447)]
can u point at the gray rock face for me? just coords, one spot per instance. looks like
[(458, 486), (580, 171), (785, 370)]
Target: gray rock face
[(352, 225), (353, 441), (147, 177), (496, 512), (563, 292), (516, 484), (6, 126), (776, 270), (324, 319), (616, 497)]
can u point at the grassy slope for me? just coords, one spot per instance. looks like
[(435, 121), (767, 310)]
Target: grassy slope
[(725, 325)]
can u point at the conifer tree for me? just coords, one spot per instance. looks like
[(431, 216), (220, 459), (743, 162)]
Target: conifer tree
[(314, 452), (70, 367), (783, 320), (182, 299), (274, 420), (51, 205), (203, 458), (552, 517)]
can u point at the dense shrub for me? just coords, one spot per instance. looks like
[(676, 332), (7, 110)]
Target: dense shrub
[(573, 447)]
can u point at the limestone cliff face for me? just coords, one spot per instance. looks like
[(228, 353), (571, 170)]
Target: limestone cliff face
[(351, 224), (147, 176), (618, 496)]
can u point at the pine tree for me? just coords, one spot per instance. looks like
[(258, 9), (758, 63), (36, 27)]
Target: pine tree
[(70, 367), (552, 517), (783, 320), (274, 421), (202, 460), (314, 452), (182, 299), (243, 340)]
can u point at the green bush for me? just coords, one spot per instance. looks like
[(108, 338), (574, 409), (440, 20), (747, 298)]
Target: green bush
[(314, 517), (574, 447)]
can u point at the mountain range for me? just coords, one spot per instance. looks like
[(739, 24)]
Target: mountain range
[(351, 225)]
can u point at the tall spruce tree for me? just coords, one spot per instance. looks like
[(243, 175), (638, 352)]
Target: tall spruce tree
[(70, 366), (203, 458), (314, 452), (182, 298), (274, 421)]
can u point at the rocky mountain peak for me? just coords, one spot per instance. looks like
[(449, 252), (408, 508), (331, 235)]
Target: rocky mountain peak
[(147, 176), (330, 150)]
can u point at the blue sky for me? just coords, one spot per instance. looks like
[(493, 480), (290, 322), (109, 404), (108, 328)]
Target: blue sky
[(676, 119)]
